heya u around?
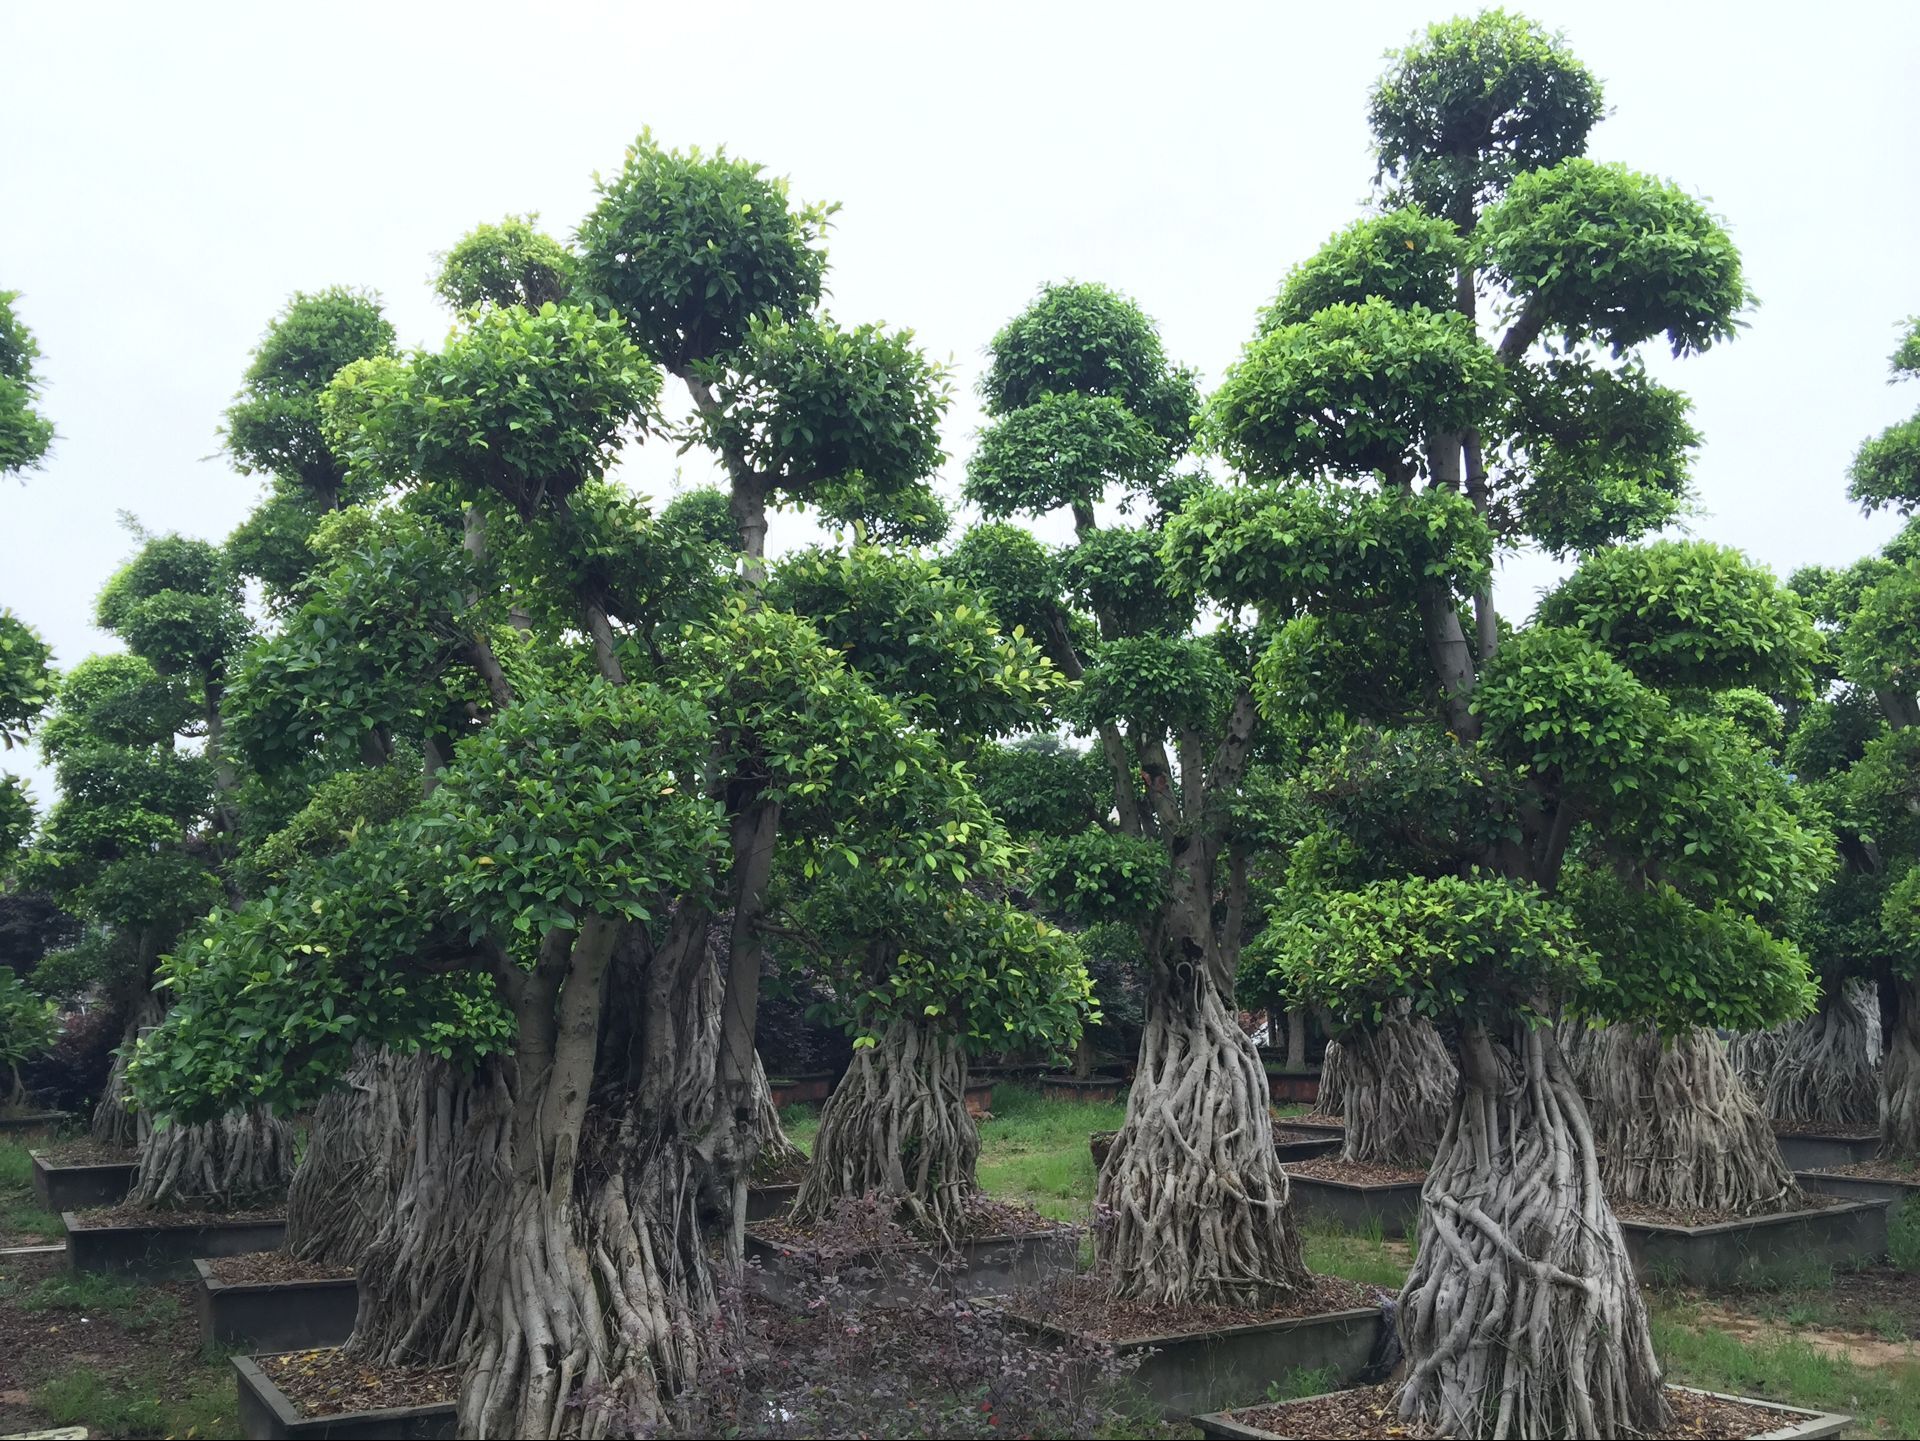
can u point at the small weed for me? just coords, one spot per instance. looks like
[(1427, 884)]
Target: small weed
[(200, 1403), (134, 1306), (1298, 1384), (1903, 1236)]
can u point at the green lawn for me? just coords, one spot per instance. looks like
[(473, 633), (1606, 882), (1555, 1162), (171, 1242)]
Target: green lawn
[(23, 1220)]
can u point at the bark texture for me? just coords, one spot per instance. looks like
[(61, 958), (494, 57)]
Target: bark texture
[(1677, 1127), (1823, 1069), (1334, 1068), (1900, 1112), (349, 1176), (1397, 1086), (1195, 1200), (1521, 1316), (244, 1159), (897, 1126), (114, 1122)]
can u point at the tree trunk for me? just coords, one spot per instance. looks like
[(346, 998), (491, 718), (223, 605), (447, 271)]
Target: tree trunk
[(242, 1160), (1823, 1069), (897, 1126), (1396, 1091), (775, 1151), (1677, 1128), (114, 1122), (1197, 1196), (349, 1176), (1521, 1316), (1900, 1076), (1296, 1039), (1335, 1072)]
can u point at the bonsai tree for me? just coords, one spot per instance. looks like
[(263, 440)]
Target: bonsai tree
[(920, 977), (622, 789), (1385, 450), (1085, 408)]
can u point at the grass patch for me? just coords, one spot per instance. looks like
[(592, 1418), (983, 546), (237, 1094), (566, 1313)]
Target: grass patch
[(1299, 1384), (1903, 1235), (1366, 1260), (134, 1306), (21, 1214), (1034, 1151), (1885, 1401), (195, 1403), (801, 1122)]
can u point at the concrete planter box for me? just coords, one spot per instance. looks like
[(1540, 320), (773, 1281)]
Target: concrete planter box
[(1795, 1423), (1809, 1150), (1307, 1150), (32, 1123), (791, 1089), (267, 1415), (1293, 1088), (1073, 1088), (268, 1316), (1857, 1188), (64, 1187), (165, 1250), (979, 1098), (1199, 1371), (766, 1201), (992, 1266), (1734, 1253), (1319, 1128), (1394, 1207)]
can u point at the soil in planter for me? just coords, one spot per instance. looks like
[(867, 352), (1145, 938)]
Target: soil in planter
[(135, 1216), (85, 1153), (1825, 1128), (325, 1383), (1367, 1412), (856, 1230), (268, 1268), (773, 1173), (1354, 1173), (1084, 1305), (1905, 1172), (1688, 1216), (1318, 1118)]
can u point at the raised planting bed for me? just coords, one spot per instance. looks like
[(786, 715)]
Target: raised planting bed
[(1865, 1182), (1367, 1412), (1288, 1144), (296, 1310), (1816, 1150), (1751, 1250), (1189, 1361), (979, 1098), (316, 1378), (770, 1200), (789, 1272), (1356, 1196), (1320, 1124), (1075, 1088), (788, 1090), (169, 1248), (74, 1185), (31, 1123), (1293, 1088)]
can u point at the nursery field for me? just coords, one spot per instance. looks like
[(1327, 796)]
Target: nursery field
[(124, 1358)]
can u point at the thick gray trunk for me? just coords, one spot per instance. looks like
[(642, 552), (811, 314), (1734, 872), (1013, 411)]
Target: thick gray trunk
[(357, 1149), (1824, 1069), (1521, 1316), (1397, 1088), (897, 1126), (241, 1161), (1900, 1113), (1676, 1127)]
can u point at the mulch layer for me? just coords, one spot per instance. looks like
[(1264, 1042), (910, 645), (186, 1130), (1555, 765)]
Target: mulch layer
[(1354, 1173), (137, 1216), (86, 1153), (773, 1174), (1692, 1216), (1368, 1412), (1084, 1305), (1824, 1128), (1318, 1119), (986, 1220), (1878, 1170), (325, 1383), (273, 1268)]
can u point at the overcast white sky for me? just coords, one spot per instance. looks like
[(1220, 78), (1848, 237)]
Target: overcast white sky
[(170, 174)]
